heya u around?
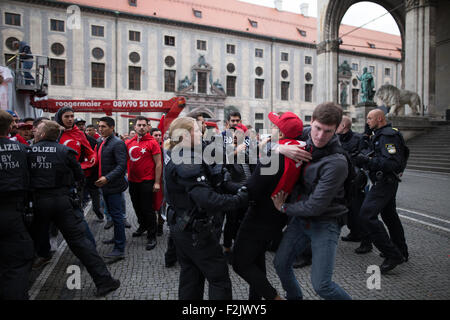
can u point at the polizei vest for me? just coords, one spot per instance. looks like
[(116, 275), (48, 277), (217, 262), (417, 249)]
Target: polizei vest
[(48, 168), (13, 166)]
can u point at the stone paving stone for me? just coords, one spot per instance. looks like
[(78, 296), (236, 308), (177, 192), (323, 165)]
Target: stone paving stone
[(143, 275)]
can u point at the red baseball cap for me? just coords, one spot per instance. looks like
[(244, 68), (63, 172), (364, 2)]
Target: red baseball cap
[(23, 125), (288, 123)]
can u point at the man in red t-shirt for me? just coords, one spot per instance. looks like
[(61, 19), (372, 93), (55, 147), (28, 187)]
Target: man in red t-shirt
[(144, 176)]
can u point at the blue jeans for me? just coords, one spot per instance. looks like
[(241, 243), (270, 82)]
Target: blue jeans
[(28, 77), (114, 204), (323, 237)]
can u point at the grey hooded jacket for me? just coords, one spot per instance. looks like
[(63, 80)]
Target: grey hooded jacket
[(321, 189)]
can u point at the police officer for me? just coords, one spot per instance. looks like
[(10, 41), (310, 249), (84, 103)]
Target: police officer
[(53, 169), (351, 142), (16, 246), (385, 166), (193, 203)]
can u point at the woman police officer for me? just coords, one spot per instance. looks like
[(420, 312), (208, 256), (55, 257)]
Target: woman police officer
[(193, 203)]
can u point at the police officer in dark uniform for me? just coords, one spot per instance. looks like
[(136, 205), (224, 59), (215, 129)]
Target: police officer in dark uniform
[(192, 205), (385, 167), (16, 246), (351, 142), (53, 171)]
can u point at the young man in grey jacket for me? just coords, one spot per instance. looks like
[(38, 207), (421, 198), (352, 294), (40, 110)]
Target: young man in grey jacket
[(316, 209)]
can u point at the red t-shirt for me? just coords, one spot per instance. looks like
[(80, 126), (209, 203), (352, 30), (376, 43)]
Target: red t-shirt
[(141, 166)]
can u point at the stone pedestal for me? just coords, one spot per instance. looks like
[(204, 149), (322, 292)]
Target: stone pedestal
[(361, 111), (410, 126)]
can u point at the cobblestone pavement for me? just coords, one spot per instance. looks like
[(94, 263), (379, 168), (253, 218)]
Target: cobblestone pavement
[(144, 277)]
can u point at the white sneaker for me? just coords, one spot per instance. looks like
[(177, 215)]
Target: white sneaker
[(53, 243)]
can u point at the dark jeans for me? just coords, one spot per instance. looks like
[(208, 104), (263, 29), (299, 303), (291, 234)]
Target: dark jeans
[(59, 210), (381, 200), (94, 193), (27, 75), (141, 196), (200, 262), (114, 205), (16, 251), (249, 261)]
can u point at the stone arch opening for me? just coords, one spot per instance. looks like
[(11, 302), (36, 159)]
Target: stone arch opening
[(330, 14)]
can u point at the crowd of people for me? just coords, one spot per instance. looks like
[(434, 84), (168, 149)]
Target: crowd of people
[(290, 191)]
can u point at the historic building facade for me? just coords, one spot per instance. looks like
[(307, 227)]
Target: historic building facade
[(248, 58)]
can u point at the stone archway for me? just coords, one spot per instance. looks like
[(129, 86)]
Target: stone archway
[(416, 20), (330, 14)]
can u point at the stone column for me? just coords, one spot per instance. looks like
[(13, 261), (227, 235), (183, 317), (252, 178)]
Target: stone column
[(420, 51), (327, 71)]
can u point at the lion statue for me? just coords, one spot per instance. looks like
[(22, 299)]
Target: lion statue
[(396, 98)]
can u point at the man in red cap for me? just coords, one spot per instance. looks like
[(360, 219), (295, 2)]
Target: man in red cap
[(24, 130), (263, 223)]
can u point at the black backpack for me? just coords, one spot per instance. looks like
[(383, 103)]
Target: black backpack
[(352, 176), (349, 183)]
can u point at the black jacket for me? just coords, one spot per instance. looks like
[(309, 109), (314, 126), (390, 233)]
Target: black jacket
[(263, 220), (351, 142), (114, 165), (389, 152)]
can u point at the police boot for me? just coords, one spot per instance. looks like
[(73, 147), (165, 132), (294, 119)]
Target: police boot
[(151, 244), (390, 263), (363, 248)]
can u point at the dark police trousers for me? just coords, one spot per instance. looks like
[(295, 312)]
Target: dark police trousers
[(381, 200), (206, 260), (249, 261), (16, 251), (141, 194), (54, 205)]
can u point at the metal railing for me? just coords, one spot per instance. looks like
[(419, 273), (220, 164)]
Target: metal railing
[(31, 74)]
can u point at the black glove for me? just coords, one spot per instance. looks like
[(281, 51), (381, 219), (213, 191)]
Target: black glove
[(242, 196), (361, 160)]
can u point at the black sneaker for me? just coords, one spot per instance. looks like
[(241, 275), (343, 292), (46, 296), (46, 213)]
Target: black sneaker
[(363, 249), (110, 241), (103, 290), (389, 264), (40, 262), (405, 256), (139, 232), (302, 262), (109, 224), (100, 216), (151, 244)]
